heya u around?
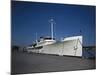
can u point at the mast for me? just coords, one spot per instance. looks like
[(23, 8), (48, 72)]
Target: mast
[(52, 22), (36, 38)]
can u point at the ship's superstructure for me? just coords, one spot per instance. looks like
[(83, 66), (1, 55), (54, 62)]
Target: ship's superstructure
[(45, 41)]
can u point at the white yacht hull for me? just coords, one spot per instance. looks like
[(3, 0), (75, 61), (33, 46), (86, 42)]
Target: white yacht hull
[(71, 46)]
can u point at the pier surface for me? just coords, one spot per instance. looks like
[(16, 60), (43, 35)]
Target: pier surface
[(23, 63)]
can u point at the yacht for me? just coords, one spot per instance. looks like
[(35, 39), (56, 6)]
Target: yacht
[(71, 46)]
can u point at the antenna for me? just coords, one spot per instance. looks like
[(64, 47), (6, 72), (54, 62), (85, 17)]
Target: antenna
[(80, 32), (52, 22)]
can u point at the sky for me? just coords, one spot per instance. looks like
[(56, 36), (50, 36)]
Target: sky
[(29, 18)]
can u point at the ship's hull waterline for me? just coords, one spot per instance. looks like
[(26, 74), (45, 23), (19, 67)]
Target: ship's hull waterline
[(71, 46)]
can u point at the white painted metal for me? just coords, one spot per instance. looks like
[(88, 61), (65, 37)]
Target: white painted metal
[(52, 48), (36, 39), (52, 22), (45, 42), (71, 46)]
